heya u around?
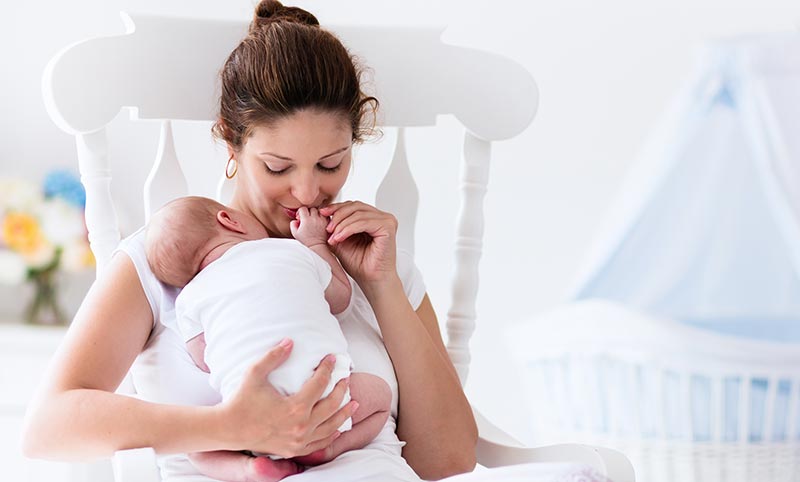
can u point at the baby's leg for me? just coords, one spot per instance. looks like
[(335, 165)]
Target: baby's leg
[(196, 348), (239, 467), (374, 402)]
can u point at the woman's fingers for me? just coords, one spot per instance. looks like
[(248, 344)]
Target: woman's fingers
[(333, 423), (354, 217), (326, 407), (372, 223), (347, 229), (250, 412), (284, 425), (333, 207), (273, 358), (363, 239), (314, 387), (320, 444), (340, 211)]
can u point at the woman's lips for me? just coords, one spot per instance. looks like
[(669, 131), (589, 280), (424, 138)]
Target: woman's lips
[(292, 213)]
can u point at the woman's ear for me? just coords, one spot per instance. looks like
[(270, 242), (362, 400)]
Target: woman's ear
[(228, 222)]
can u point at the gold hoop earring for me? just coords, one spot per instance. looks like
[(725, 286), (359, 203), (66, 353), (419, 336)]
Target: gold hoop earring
[(229, 173)]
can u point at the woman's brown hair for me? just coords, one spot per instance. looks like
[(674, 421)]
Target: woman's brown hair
[(287, 63)]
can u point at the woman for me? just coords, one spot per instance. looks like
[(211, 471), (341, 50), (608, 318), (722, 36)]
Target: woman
[(290, 110)]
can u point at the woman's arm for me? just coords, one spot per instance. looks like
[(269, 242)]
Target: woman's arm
[(435, 419), (76, 415)]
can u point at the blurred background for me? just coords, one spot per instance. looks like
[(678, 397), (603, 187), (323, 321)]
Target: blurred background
[(607, 73)]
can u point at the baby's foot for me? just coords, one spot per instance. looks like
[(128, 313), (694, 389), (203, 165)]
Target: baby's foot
[(316, 458), (264, 469)]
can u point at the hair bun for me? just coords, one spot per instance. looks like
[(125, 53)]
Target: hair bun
[(271, 11)]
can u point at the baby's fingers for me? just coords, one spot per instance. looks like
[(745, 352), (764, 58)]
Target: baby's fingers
[(302, 213)]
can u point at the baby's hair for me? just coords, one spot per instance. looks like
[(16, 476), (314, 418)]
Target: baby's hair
[(175, 235)]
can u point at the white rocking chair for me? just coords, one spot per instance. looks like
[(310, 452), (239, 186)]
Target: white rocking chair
[(155, 69)]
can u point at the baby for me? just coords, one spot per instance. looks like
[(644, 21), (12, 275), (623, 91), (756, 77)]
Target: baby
[(242, 293)]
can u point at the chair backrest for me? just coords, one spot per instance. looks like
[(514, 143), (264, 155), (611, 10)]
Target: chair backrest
[(167, 68)]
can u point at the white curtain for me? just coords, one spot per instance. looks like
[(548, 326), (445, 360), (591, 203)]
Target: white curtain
[(707, 229)]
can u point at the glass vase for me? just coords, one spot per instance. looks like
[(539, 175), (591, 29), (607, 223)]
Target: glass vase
[(44, 308)]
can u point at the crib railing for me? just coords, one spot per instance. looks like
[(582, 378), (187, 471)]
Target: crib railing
[(684, 404)]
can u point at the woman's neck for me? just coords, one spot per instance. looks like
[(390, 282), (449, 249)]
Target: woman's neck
[(265, 221)]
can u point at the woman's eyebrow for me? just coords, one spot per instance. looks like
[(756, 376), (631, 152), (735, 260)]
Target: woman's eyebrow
[(284, 158)]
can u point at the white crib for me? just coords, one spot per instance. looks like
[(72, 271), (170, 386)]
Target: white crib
[(684, 404)]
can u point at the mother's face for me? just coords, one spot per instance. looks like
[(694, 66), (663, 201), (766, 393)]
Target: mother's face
[(302, 160)]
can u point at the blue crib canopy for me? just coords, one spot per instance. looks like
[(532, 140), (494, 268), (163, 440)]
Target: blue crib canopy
[(707, 227)]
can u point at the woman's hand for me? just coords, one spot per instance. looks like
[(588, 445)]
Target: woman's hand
[(363, 238), (260, 419)]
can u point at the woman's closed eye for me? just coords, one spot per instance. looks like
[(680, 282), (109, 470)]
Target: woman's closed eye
[(278, 170), (329, 168), (275, 170)]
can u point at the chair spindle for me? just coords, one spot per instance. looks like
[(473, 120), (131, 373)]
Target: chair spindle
[(469, 244), (101, 218), (166, 180)]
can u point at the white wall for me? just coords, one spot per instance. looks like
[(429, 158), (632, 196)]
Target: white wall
[(605, 71)]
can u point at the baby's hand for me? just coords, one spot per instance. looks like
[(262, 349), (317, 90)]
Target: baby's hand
[(309, 227)]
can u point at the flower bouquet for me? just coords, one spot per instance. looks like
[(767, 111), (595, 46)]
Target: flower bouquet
[(42, 231)]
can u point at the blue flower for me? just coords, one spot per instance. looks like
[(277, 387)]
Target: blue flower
[(65, 185)]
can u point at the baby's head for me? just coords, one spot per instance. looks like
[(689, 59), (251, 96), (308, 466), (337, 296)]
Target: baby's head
[(188, 233)]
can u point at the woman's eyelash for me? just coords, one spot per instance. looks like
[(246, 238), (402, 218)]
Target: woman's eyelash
[(329, 169), (275, 173), (319, 166)]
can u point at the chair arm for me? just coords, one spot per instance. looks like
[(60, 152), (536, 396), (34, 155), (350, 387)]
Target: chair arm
[(618, 467), (135, 465), (496, 448)]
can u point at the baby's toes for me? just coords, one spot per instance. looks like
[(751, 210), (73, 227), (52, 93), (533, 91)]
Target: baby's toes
[(264, 469)]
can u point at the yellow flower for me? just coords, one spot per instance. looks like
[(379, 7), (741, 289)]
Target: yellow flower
[(21, 233), (88, 258)]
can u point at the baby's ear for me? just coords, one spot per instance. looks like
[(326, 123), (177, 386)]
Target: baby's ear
[(228, 222)]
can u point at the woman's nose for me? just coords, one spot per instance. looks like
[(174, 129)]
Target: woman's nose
[(306, 190)]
